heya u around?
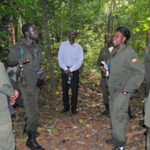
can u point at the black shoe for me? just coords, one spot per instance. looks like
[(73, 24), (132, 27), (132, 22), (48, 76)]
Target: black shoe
[(141, 124), (131, 116), (106, 112), (65, 110), (109, 141), (74, 111), (32, 143)]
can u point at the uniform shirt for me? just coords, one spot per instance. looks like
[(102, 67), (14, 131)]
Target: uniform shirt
[(127, 72), (70, 56), (31, 52), (147, 62), (104, 55), (6, 89)]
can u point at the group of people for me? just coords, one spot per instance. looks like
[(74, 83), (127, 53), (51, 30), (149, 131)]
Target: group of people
[(126, 74), (122, 73)]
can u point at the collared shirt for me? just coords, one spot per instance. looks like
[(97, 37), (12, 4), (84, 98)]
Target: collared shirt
[(70, 56)]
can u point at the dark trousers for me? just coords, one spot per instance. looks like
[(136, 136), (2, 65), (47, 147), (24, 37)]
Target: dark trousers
[(74, 88)]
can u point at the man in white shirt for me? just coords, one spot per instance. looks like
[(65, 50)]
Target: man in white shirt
[(70, 59)]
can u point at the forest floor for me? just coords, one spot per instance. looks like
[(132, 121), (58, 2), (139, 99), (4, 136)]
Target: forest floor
[(88, 129)]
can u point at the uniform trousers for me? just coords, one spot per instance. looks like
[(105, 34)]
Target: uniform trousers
[(148, 139), (30, 94), (118, 105), (147, 88), (104, 88), (6, 137), (74, 88)]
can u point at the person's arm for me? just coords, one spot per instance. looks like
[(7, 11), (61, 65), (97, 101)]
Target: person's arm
[(60, 58), (5, 84), (136, 72)]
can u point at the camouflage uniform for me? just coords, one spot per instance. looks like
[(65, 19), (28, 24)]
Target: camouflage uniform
[(29, 90), (127, 72), (6, 133)]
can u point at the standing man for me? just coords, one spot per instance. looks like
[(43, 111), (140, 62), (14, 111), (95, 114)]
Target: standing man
[(127, 74), (70, 58), (6, 133), (29, 64), (105, 56)]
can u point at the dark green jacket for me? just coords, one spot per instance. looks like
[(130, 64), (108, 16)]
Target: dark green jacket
[(104, 56), (127, 71), (6, 89), (34, 54)]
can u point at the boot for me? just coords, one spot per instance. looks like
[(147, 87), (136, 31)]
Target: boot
[(131, 116), (26, 131), (106, 112), (32, 143)]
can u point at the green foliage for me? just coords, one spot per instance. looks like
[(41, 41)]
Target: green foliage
[(92, 20)]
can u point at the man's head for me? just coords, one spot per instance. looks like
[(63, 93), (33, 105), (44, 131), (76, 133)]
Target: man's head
[(72, 35), (29, 30), (109, 39)]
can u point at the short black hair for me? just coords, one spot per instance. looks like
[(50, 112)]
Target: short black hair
[(25, 27), (73, 31), (125, 32)]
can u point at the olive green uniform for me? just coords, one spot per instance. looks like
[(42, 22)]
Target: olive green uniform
[(29, 90), (147, 119), (147, 67), (127, 72), (6, 132), (104, 55)]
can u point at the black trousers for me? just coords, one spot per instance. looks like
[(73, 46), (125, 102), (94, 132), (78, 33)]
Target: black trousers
[(74, 88)]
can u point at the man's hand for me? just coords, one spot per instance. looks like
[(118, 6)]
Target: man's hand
[(103, 70), (124, 91), (14, 97), (67, 72), (21, 62)]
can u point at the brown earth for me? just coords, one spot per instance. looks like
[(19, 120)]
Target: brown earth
[(87, 130)]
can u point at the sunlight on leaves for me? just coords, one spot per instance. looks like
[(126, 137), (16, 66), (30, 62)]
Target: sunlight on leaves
[(81, 121), (54, 131)]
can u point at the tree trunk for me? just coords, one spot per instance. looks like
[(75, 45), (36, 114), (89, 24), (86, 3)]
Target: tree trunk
[(110, 22), (52, 91)]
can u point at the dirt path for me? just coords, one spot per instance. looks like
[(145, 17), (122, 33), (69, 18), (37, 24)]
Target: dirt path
[(86, 130)]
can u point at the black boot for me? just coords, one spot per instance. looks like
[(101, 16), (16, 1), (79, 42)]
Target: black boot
[(32, 143), (106, 112), (131, 116), (26, 131), (74, 110)]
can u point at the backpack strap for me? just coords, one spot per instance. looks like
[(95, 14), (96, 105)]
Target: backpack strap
[(21, 58), (21, 50)]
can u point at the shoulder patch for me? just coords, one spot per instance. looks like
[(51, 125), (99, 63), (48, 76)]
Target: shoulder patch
[(134, 60)]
